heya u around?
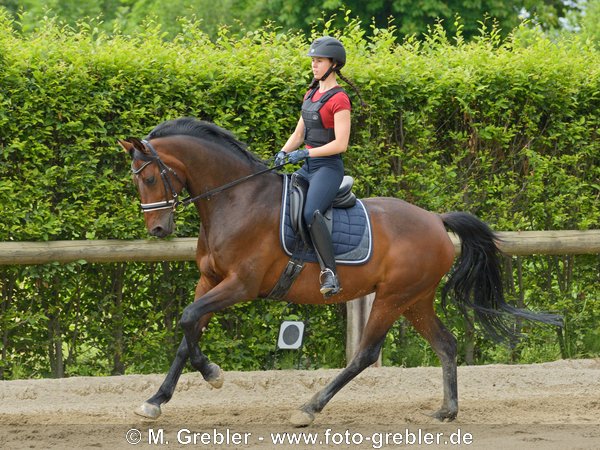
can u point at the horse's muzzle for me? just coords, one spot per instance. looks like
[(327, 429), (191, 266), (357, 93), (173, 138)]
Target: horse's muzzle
[(163, 227), (160, 232)]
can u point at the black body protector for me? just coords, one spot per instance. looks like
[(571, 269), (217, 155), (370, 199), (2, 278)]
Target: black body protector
[(315, 134)]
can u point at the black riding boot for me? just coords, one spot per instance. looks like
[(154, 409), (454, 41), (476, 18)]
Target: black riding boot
[(321, 238)]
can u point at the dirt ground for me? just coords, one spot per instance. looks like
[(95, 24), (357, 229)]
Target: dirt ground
[(544, 406)]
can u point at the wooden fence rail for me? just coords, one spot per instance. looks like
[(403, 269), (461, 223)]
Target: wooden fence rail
[(184, 249)]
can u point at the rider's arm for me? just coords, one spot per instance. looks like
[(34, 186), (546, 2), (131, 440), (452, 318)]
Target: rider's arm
[(296, 139)]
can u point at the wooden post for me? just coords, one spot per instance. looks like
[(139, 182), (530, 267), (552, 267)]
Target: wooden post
[(357, 314)]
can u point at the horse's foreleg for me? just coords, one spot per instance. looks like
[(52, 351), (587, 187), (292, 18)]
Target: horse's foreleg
[(210, 371), (380, 321), (227, 293), (150, 409), (425, 321)]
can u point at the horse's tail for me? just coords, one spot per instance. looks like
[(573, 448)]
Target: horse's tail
[(475, 281)]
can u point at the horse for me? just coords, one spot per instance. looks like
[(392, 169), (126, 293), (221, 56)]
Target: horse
[(239, 257)]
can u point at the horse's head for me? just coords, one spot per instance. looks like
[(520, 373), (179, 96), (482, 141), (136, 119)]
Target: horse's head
[(158, 185)]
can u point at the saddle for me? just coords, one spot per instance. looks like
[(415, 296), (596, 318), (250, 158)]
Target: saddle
[(344, 199), (347, 220)]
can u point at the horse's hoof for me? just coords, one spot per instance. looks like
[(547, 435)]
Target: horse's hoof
[(148, 411), (302, 418), (444, 415), (216, 378)]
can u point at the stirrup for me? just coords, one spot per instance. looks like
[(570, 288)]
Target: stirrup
[(332, 288)]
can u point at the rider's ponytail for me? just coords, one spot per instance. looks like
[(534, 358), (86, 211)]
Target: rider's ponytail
[(315, 82), (354, 88)]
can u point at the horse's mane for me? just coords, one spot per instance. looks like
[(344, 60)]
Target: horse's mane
[(207, 131)]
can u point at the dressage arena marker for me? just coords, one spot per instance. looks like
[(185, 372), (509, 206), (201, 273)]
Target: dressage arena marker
[(291, 334)]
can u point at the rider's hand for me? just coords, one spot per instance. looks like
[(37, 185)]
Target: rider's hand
[(280, 158), (297, 155)]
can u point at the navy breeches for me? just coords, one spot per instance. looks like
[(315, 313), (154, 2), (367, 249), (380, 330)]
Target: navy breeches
[(324, 176)]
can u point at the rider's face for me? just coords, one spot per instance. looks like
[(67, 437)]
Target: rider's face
[(320, 65)]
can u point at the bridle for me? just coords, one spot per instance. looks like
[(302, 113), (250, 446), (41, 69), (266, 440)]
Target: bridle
[(174, 202), (164, 171)]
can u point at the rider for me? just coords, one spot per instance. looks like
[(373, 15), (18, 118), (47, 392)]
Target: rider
[(324, 129)]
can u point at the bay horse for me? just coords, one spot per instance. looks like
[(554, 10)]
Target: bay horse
[(240, 258)]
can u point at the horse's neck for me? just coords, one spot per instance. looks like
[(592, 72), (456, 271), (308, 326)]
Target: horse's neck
[(245, 205), (210, 169)]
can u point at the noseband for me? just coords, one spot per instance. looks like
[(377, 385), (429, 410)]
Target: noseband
[(164, 171)]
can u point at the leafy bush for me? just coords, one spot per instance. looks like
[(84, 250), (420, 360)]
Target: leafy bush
[(507, 130)]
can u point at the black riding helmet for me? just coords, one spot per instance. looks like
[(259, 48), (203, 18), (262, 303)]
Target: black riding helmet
[(328, 47)]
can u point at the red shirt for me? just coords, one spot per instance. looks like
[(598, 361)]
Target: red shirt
[(339, 102)]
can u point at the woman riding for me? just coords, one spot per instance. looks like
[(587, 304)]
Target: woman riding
[(324, 129)]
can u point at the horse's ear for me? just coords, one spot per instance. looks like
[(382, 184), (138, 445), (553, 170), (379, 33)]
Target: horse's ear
[(132, 144), (127, 146)]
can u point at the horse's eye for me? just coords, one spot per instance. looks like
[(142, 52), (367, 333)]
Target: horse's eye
[(150, 180)]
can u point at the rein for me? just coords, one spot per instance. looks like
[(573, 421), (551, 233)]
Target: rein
[(220, 189), (164, 170)]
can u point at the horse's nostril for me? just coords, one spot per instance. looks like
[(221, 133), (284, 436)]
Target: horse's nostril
[(158, 231)]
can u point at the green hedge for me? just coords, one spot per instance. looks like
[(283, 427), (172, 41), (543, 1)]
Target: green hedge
[(507, 130)]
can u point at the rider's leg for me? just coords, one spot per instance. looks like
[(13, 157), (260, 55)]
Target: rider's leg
[(323, 186), (321, 238)]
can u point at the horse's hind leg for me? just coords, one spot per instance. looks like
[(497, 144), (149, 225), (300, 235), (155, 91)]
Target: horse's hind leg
[(380, 321), (422, 316)]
